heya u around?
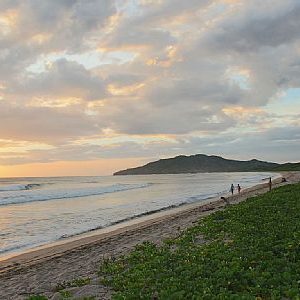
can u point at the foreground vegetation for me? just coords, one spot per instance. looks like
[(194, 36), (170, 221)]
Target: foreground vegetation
[(247, 251)]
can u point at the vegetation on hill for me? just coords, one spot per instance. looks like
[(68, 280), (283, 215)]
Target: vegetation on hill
[(204, 163), (247, 251), (288, 167)]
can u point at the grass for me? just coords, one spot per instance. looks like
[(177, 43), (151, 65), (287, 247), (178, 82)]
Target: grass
[(252, 252), (64, 295), (78, 282), (62, 289)]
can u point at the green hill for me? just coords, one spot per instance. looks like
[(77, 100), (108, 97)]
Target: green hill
[(201, 163), (288, 167)]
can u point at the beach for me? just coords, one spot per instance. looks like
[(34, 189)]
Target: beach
[(39, 271), (42, 210)]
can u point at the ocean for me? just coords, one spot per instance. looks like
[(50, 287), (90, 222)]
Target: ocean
[(38, 211)]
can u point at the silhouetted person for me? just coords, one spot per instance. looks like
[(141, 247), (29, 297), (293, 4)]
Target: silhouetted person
[(270, 184), (232, 189), (239, 188)]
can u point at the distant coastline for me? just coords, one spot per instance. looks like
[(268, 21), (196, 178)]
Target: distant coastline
[(201, 163)]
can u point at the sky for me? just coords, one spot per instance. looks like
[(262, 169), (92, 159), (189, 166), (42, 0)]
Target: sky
[(88, 87)]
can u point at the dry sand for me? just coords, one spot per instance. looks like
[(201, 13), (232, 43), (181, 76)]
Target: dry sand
[(39, 271)]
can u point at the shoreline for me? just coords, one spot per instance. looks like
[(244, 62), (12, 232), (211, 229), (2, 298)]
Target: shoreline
[(62, 260), (98, 233), (114, 228), (116, 225)]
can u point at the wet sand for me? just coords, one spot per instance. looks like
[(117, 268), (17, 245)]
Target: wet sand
[(39, 271)]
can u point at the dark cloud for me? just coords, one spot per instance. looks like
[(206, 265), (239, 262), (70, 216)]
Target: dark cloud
[(285, 134), (158, 12), (276, 23), (69, 22), (8, 4), (63, 79), (180, 118), (44, 124), (259, 145), (124, 79), (139, 37), (44, 27), (144, 29)]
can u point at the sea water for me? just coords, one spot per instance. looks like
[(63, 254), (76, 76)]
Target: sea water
[(37, 211)]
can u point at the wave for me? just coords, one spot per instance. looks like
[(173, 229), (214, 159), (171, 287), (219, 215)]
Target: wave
[(200, 197), (136, 216), (44, 195), (19, 187), (189, 200)]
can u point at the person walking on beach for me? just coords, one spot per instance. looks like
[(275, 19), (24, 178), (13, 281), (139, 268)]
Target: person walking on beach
[(270, 184), (232, 189), (239, 188)]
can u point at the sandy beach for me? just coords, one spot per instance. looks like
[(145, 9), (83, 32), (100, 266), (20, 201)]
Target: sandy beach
[(39, 271)]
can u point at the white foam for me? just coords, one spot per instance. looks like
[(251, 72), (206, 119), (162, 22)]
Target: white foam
[(26, 195)]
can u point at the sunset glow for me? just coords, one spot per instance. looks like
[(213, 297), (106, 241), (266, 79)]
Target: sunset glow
[(91, 87)]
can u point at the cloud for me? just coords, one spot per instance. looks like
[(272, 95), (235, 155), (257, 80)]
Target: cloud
[(228, 145), (201, 71), (180, 118), (62, 79), (38, 28), (69, 23), (265, 42), (265, 145), (44, 124), (248, 29)]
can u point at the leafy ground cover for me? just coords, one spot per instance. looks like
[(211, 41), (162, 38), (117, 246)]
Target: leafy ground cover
[(74, 283), (63, 287), (247, 251)]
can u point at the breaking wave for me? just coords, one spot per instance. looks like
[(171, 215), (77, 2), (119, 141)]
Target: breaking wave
[(19, 187), (20, 194)]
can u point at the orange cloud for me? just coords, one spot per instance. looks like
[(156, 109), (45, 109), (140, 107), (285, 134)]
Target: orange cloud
[(240, 111), (124, 90), (50, 102), (171, 56), (2, 89), (8, 20), (232, 1), (10, 146), (41, 38)]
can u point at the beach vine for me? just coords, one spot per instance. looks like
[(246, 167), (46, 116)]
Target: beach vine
[(246, 251)]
